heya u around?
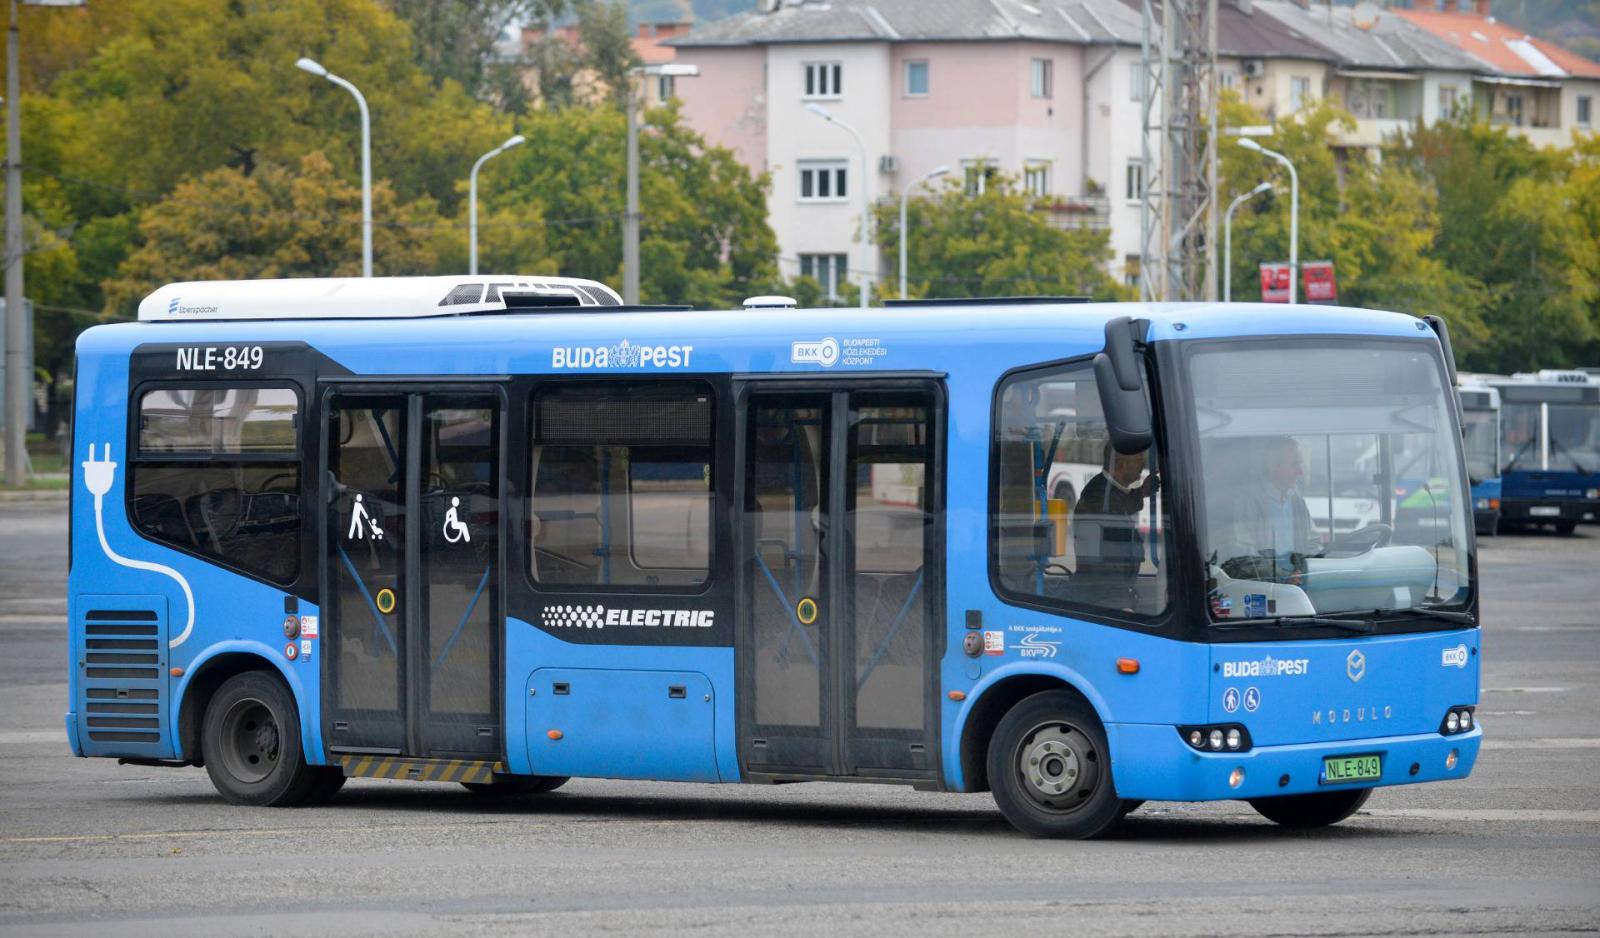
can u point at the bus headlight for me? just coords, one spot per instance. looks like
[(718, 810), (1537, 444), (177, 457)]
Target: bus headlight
[(1216, 737), (1456, 720)]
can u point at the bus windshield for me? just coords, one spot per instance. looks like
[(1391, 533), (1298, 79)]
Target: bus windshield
[(1329, 479), (1482, 444), (1575, 437)]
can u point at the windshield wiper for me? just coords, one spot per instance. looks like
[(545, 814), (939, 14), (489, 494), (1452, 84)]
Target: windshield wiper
[(1361, 626), (1461, 618), (1557, 444)]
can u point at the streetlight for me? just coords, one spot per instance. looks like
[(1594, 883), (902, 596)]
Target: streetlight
[(19, 377), (866, 201), (1227, 239), (940, 171), (1294, 213), (472, 199), (315, 68), (630, 218)]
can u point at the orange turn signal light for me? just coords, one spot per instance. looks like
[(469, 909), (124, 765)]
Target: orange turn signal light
[(176, 672), (1127, 665), (554, 734), (957, 695)]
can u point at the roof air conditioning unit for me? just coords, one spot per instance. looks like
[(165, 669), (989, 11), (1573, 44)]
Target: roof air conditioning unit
[(888, 164), (1254, 68)]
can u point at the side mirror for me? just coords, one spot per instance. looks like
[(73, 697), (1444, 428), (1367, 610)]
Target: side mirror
[(1121, 386), (1443, 332)]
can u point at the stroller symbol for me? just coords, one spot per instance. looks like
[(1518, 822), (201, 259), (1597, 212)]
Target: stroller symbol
[(455, 530)]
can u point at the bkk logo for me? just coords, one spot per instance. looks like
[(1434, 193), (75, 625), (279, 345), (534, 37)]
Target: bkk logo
[(824, 352)]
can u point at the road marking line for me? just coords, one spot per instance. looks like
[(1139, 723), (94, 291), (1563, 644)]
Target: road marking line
[(1549, 742), (1524, 690), (248, 832), (1487, 814), (24, 737)]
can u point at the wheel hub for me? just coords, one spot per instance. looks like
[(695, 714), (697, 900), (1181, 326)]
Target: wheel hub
[(250, 741), (1059, 765)]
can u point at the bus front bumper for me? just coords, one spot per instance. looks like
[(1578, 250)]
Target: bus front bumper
[(1150, 762)]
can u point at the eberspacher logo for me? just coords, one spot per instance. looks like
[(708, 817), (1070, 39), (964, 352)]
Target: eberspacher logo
[(824, 352), (1267, 667), (175, 307)]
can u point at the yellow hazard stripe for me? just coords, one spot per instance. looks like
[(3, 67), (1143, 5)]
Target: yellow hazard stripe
[(421, 770)]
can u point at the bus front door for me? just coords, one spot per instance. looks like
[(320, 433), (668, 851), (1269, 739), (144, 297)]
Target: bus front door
[(412, 545), (841, 558)]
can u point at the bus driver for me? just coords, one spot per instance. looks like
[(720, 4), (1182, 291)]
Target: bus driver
[(1270, 531)]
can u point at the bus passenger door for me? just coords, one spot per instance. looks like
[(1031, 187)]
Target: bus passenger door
[(840, 550), (412, 587)]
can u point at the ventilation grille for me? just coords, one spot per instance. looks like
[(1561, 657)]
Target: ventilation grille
[(122, 661)]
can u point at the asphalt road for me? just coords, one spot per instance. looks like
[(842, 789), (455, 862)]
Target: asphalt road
[(88, 846)]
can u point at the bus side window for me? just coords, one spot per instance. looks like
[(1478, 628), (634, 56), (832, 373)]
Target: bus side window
[(622, 493), (216, 472), (1053, 458)]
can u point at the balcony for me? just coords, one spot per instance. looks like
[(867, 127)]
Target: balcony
[(1078, 212)]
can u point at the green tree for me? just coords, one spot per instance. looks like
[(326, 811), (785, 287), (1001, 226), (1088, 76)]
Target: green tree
[(224, 225), (996, 243), (556, 205)]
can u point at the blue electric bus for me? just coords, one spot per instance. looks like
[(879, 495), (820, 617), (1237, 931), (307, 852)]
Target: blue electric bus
[(1550, 444), (503, 532), (1480, 425)]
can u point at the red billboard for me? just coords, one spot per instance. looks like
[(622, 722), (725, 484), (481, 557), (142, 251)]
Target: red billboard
[(1316, 277), (1275, 281)]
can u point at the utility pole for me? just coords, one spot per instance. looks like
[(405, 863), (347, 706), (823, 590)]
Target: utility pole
[(1178, 212), (17, 377)]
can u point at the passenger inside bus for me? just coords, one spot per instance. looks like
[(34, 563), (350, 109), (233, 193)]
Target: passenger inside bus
[(1105, 529)]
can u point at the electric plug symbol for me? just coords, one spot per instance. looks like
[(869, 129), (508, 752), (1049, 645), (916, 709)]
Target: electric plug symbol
[(99, 474)]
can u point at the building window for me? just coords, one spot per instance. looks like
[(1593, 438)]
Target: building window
[(1447, 100), (622, 493), (1136, 81), (666, 87), (916, 78), (217, 473), (1036, 178), (976, 175), (829, 270), (1514, 109), (823, 181), (1090, 535), (1585, 106), (1299, 92), (1134, 189), (824, 79), (1226, 80), (1042, 78)]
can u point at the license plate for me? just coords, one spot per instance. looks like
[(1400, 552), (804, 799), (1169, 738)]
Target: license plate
[(1340, 769), (1545, 511)]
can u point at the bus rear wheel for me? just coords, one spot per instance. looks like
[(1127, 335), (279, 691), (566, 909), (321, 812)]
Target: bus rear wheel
[(1315, 810), (250, 741), (515, 786), (1565, 527), (1050, 768)]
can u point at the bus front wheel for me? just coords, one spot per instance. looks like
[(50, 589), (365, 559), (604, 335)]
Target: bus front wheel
[(1315, 810), (251, 744), (1050, 768)]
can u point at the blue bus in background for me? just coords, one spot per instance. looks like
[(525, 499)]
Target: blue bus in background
[(504, 531), (1550, 444), (1480, 424)]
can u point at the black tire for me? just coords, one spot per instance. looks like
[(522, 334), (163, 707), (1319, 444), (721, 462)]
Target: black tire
[(1565, 527), (328, 781), (250, 740), (516, 786), (1050, 768), (1316, 810)]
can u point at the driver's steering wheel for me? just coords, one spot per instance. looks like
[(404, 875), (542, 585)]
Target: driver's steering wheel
[(1365, 538)]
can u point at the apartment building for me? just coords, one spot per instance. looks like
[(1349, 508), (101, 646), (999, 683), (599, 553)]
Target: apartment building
[(1051, 92), (1533, 87)]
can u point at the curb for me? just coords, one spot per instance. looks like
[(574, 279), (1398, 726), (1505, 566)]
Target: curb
[(31, 496)]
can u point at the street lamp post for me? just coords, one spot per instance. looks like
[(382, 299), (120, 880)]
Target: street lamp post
[(630, 217), (18, 379), (1294, 214), (472, 199), (315, 68), (866, 199), (1227, 239), (930, 174)]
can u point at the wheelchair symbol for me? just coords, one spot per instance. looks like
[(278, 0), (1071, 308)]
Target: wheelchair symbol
[(455, 530)]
